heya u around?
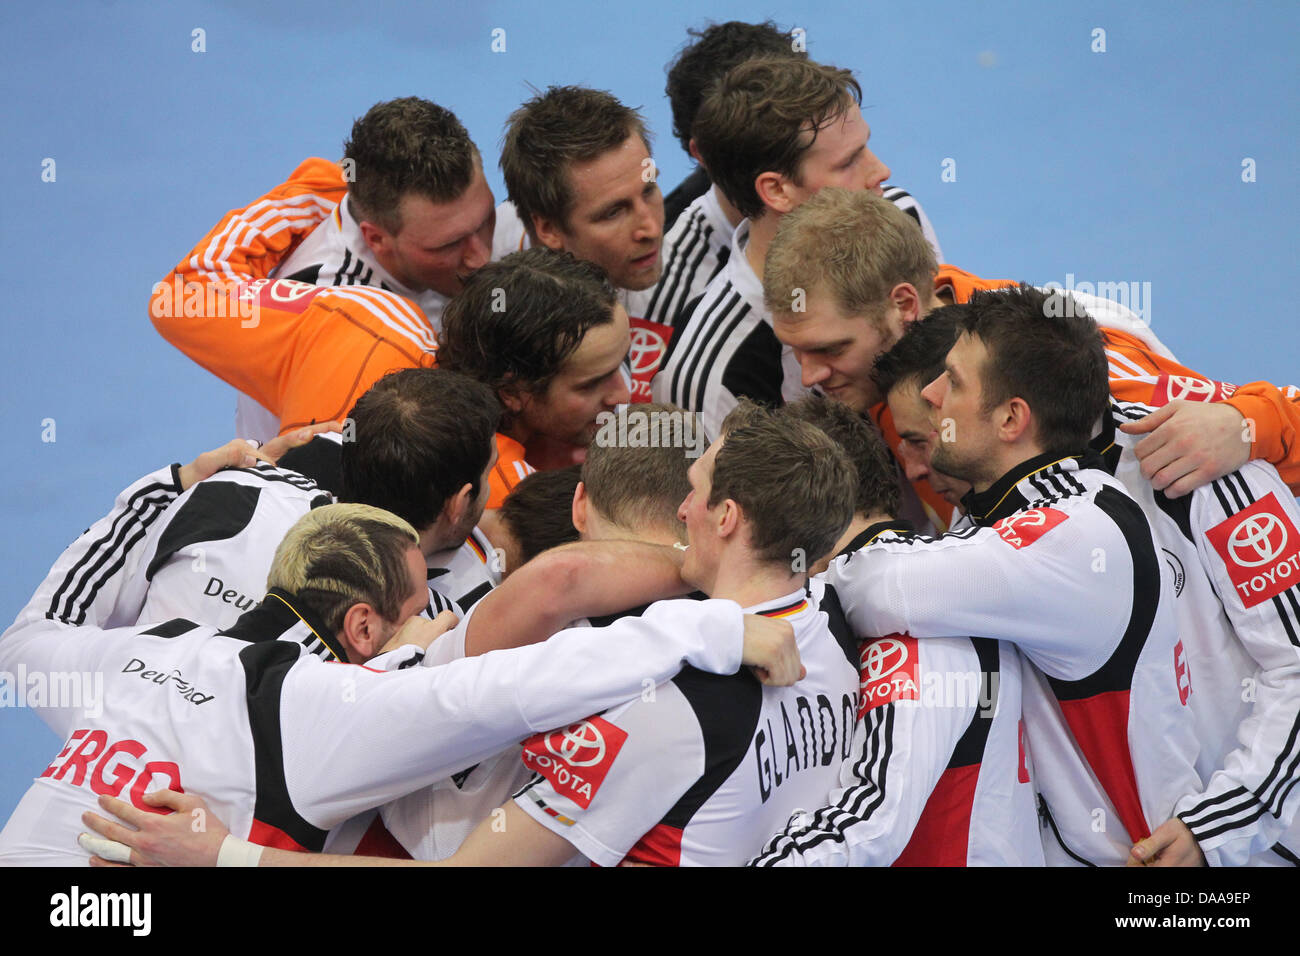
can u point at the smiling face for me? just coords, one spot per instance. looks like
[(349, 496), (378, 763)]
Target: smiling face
[(911, 416), (617, 216), (836, 351), (438, 244), (590, 382)]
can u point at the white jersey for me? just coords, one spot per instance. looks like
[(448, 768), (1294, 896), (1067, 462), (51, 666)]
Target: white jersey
[(432, 823), (696, 771), (1234, 549), (263, 720), (938, 774), (1062, 564), (208, 553), (727, 349)]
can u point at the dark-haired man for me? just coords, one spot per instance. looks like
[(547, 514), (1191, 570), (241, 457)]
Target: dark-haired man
[(546, 332), (1056, 541), (898, 375), (1233, 638), (419, 443), (409, 213), (699, 219)]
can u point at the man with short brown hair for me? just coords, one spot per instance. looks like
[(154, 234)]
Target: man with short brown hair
[(772, 132), (634, 479), (579, 175)]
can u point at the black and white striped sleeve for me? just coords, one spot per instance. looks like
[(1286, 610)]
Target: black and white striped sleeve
[(907, 202), (86, 584), (1247, 530)]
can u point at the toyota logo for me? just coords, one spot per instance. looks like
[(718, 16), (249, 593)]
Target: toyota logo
[(883, 657), (647, 349), (1252, 541), (290, 290), (578, 739), (1028, 519), (1191, 389)]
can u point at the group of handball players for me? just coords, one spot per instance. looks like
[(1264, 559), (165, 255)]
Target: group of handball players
[(731, 527)]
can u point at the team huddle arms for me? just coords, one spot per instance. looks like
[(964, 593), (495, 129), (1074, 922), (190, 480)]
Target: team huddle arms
[(564, 531)]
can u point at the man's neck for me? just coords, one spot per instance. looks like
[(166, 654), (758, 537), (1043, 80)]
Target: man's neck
[(493, 527), (749, 583), (1011, 459), (433, 540), (761, 233), (731, 212), (859, 524)]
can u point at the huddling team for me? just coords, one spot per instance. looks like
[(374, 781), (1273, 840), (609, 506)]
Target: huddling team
[(570, 534)]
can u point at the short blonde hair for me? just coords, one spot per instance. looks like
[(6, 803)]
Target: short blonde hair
[(340, 555), (850, 245)]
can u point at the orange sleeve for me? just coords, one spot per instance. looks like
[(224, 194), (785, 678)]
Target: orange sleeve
[(1276, 414), (960, 283), (305, 353), (1139, 375), (509, 470)]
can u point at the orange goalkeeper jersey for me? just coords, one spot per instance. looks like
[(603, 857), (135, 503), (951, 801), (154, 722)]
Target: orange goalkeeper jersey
[(305, 353)]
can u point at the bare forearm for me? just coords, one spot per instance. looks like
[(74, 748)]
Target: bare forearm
[(578, 580)]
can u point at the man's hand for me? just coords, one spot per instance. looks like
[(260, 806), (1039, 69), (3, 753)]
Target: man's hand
[(421, 632), (191, 836), (235, 453), (238, 453), (1190, 444), (276, 447), (771, 651), (1171, 844)]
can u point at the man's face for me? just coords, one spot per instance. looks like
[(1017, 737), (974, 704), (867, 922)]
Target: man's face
[(967, 441), (440, 244), (911, 416), (836, 351), (590, 382), (840, 157), (699, 568), (617, 218)]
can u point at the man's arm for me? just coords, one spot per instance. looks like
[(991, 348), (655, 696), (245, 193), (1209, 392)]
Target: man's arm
[(460, 713), (87, 584), (1191, 443), (1251, 801), (583, 579), (994, 587), (304, 353)]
